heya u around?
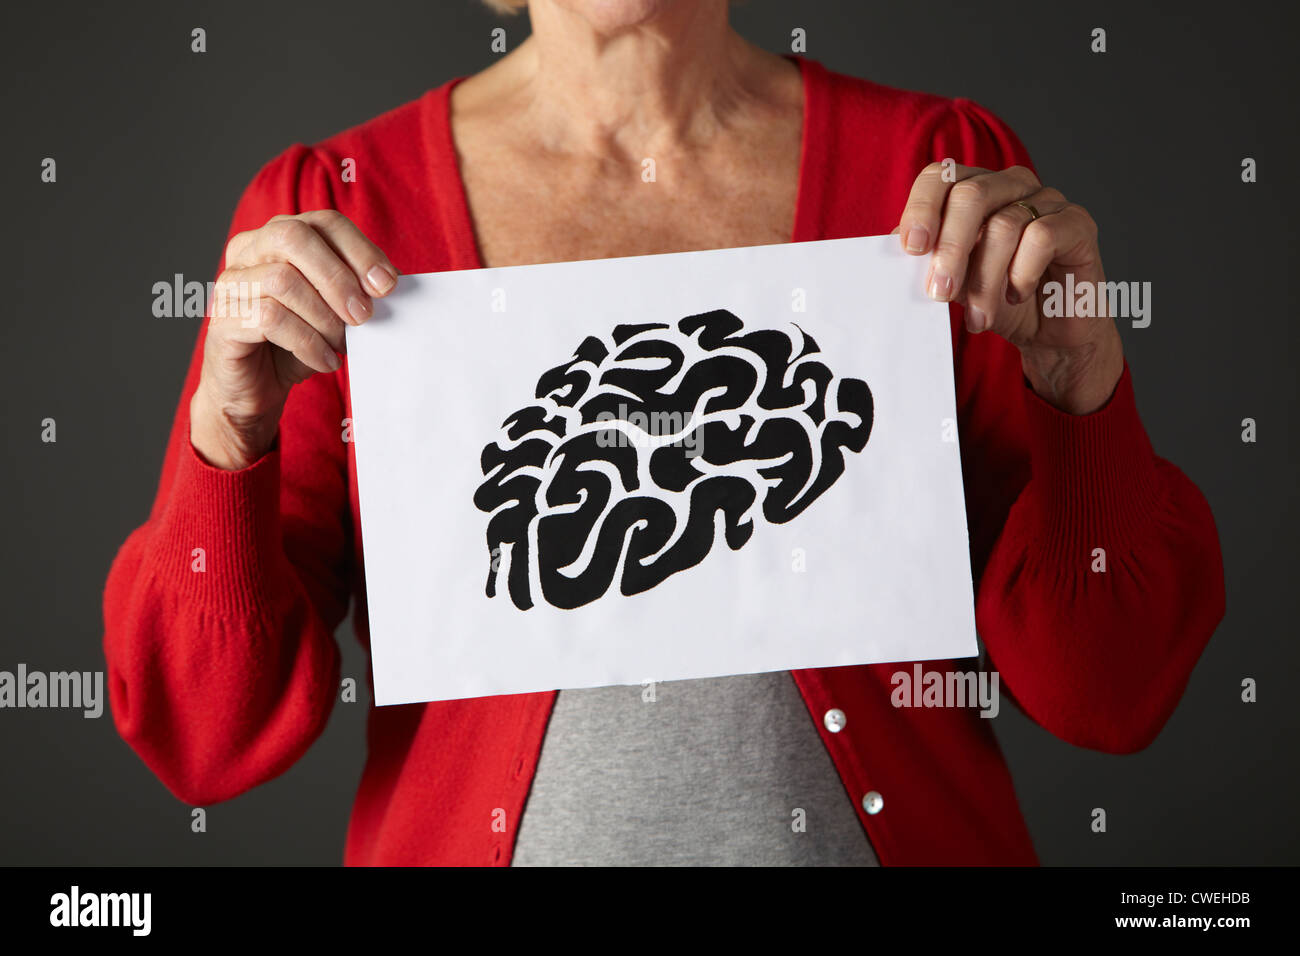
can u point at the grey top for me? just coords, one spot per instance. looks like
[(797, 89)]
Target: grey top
[(712, 772)]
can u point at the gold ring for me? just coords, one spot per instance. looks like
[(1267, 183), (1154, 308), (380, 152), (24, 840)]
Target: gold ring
[(1033, 213)]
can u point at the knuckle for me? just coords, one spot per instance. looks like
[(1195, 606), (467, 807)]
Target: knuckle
[(333, 272), (1024, 175), (921, 209), (1004, 226), (289, 234), (269, 316), (979, 284), (969, 192), (1039, 235), (330, 217), (237, 242), (950, 251), (306, 342), (304, 339), (279, 279), (1084, 217), (226, 298), (341, 281)]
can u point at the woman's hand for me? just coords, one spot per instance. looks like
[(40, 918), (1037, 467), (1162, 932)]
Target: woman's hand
[(278, 317), (993, 257)]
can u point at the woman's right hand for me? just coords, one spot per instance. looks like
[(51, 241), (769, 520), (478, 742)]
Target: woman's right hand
[(277, 318)]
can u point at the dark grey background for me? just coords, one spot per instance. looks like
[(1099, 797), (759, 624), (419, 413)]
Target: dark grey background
[(154, 144)]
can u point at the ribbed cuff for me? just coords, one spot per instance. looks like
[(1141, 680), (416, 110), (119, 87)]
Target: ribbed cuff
[(1094, 476), (234, 517)]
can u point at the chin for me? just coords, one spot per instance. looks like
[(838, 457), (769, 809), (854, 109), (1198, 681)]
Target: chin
[(611, 16)]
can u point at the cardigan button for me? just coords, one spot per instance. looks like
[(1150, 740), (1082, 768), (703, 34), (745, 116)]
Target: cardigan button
[(835, 720), (873, 802)]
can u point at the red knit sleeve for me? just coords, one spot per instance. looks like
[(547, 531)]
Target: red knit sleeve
[(219, 611), (1098, 569)]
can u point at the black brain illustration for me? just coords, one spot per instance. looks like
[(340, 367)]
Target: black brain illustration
[(647, 442)]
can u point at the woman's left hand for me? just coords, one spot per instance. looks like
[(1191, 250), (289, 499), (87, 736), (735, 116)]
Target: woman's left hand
[(993, 257)]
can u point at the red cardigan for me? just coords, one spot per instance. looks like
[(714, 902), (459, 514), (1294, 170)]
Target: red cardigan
[(221, 679)]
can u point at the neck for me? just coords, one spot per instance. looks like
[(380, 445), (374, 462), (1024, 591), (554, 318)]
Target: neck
[(669, 81)]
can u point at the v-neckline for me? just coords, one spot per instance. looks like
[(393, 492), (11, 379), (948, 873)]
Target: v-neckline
[(453, 203)]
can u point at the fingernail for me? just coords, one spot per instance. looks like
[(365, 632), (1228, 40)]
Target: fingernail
[(940, 285), (916, 240), (333, 362), (380, 279), (359, 309), (976, 320)]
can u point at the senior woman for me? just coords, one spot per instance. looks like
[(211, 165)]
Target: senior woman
[(1097, 564)]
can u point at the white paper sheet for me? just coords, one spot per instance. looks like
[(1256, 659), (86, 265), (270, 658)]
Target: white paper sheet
[(872, 567)]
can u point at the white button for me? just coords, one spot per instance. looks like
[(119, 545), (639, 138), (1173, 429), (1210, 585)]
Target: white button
[(835, 720), (873, 802)]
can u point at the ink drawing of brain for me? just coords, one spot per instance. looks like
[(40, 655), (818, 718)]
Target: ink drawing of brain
[(652, 443)]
